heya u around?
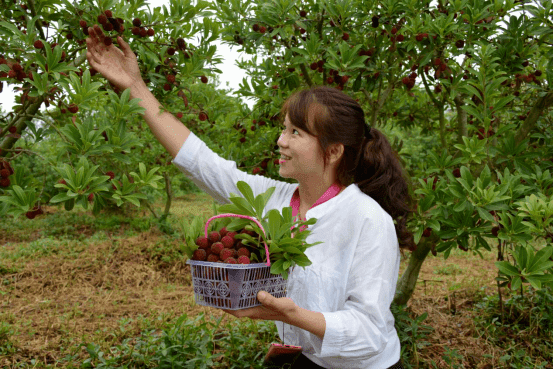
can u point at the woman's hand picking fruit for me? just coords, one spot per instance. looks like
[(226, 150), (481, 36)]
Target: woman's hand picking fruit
[(120, 67), (272, 308)]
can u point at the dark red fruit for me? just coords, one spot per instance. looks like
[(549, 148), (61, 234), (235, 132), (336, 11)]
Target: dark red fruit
[(111, 175), (136, 22), (460, 44), (243, 139), (91, 197), (427, 232), (537, 73), (255, 27), (102, 19), (82, 23), (143, 32), (204, 79), (262, 29), (179, 115), (108, 41), (4, 173), (199, 255), (400, 38), (495, 231), (171, 78), (151, 32), (394, 30), (73, 108), (202, 116), (38, 44), (108, 13), (202, 242), (345, 36), (457, 173), (12, 129), (214, 236), (180, 43), (303, 13), (171, 51), (167, 87)]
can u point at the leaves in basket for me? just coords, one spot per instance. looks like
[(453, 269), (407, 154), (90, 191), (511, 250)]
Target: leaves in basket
[(285, 251)]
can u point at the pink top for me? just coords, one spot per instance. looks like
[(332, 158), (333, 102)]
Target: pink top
[(295, 201)]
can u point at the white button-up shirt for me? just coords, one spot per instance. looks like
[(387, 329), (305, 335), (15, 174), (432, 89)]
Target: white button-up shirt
[(354, 272)]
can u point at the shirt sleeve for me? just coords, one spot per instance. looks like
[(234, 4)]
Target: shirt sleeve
[(363, 327), (218, 176)]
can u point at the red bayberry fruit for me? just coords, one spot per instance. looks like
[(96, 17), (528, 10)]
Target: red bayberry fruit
[(12, 129), (255, 27), (202, 242), (91, 197), (457, 173), (345, 36), (303, 13), (136, 22), (243, 139), (143, 32), (180, 43), (102, 19), (262, 29), (256, 170), (171, 51), (242, 251), (38, 44), (460, 44), (217, 247), (179, 115), (214, 236), (495, 231), (231, 260), (243, 259), (108, 41), (108, 13), (394, 30), (82, 23), (427, 232), (4, 173), (111, 175), (151, 32), (213, 258), (171, 78), (199, 255), (167, 87), (203, 79), (73, 108), (202, 116)]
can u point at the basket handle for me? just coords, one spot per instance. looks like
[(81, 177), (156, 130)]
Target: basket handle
[(244, 217)]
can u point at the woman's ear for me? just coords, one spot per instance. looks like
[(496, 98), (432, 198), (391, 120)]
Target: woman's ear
[(335, 153)]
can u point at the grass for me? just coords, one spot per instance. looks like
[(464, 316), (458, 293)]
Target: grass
[(114, 291)]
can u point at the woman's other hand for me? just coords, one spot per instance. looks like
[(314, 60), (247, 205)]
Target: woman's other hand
[(118, 66)]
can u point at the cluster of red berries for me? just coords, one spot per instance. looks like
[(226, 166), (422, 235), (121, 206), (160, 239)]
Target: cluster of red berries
[(409, 81), (334, 77), (5, 172), (257, 28), (318, 66), (221, 247)]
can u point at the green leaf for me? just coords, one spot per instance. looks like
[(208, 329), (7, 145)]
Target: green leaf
[(506, 268)]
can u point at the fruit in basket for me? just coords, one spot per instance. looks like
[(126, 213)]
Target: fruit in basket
[(213, 258), (243, 259), (223, 232), (225, 254), (199, 255), (227, 242), (242, 251), (217, 247), (214, 236), (231, 260), (202, 242)]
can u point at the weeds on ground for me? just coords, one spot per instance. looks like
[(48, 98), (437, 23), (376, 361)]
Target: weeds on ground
[(523, 330), (411, 332)]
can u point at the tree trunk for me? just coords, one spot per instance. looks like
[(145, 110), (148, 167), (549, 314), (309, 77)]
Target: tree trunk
[(408, 281), (169, 194), (541, 104)]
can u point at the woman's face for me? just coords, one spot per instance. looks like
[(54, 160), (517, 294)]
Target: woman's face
[(306, 162)]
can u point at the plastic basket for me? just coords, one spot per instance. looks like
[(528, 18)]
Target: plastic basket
[(234, 286)]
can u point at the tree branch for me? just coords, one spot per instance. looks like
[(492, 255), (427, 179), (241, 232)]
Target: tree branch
[(543, 103)]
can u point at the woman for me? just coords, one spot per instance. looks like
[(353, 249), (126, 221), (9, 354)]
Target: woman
[(338, 308)]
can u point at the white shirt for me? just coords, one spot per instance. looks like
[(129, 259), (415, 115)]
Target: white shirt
[(354, 272)]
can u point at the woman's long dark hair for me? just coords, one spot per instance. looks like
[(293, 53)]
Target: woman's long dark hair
[(369, 161)]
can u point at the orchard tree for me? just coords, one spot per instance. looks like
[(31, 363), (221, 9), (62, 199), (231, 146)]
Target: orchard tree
[(73, 138), (474, 77)]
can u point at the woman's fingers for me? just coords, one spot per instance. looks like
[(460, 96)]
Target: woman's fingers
[(125, 47)]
